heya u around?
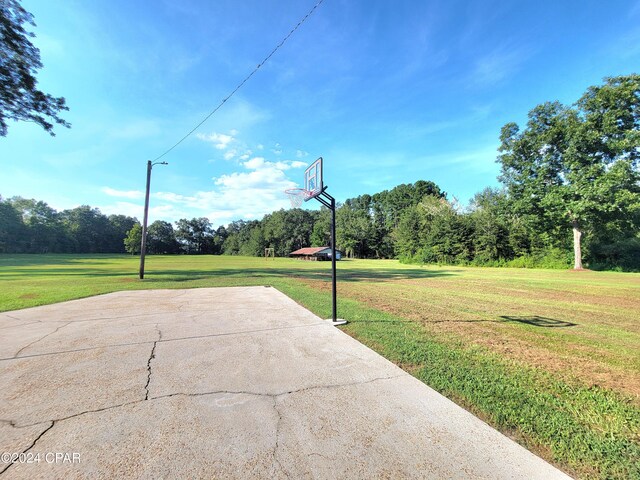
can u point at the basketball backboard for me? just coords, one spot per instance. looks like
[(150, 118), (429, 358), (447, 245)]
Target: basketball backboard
[(313, 180)]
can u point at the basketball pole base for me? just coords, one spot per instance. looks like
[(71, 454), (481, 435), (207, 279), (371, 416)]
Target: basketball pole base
[(339, 321)]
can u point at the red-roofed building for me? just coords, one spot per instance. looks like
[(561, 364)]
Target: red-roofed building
[(315, 253)]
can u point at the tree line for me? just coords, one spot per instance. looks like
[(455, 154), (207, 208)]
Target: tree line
[(570, 192), (32, 226)]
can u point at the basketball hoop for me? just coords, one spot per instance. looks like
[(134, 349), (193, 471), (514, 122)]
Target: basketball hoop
[(315, 188), (297, 196)]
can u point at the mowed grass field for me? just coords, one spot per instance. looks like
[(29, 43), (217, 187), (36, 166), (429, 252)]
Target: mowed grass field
[(550, 358)]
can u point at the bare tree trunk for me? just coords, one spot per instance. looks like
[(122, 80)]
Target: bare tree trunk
[(577, 250)]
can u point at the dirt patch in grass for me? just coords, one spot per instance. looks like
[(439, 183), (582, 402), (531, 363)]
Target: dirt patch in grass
[(29, 296)]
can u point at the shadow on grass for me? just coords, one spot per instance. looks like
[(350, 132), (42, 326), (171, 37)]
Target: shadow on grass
[(182, 275), (537, 321), (343, 276), (29, 259)]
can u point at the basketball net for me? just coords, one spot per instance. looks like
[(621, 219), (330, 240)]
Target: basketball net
[(296, 196)]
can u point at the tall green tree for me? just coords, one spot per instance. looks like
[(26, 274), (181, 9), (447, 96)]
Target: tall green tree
[(195, 235), (133, 240), (12, 228), (234, 234), (321, 233), (119, 227), (43, 229), (88, 229), (408, 233), (20, 99), (577, 167), (288, 230), (254, 245), (353, 229), (299, 229), (490, 222), (434, 232), (161, 238), (219, 237)]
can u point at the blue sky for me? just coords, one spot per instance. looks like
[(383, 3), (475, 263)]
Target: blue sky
[(388, 92)]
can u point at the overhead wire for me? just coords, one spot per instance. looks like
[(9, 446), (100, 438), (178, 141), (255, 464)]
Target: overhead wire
[(246, 79)]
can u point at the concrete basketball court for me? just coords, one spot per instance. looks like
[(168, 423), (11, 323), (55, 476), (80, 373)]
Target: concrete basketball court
[(224, 383)]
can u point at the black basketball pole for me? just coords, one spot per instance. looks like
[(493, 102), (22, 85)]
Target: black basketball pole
[(330, 202), (333, 260)]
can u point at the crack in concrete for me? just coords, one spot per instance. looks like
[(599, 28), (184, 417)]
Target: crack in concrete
[(151, 357), (79, 414), (20, 324), (215, 392), (274, 396), (33, 444), (277, 445), (19, 320), (75, 350), (97, 319), (339, 385), (119, 317), (129, 344), (40, 339)]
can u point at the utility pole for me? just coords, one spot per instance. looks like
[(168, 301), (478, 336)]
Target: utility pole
[(143, 245)]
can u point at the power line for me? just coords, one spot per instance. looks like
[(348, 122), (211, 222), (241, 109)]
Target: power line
[(246, 79)]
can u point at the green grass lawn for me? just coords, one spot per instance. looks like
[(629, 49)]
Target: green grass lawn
[(551, 358)]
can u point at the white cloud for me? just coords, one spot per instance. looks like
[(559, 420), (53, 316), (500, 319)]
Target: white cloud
[(301, 153), (112, 192), (228, 144), (257, 163), (220, 140), (248, 194), (282, 165), (172, 197), (254, 163), (255, 190)]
